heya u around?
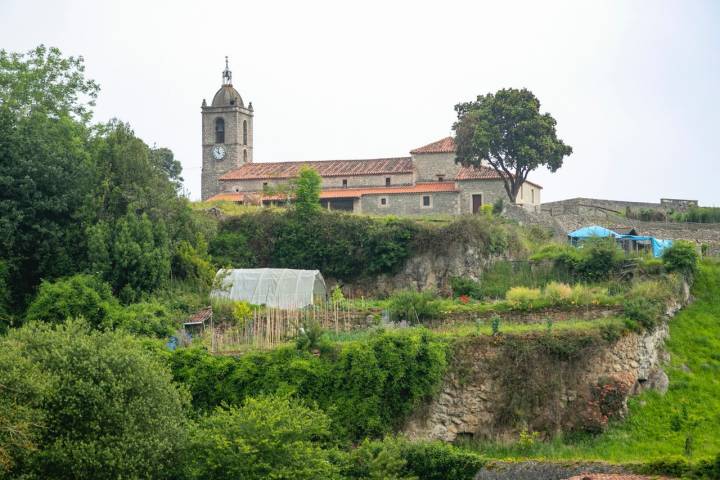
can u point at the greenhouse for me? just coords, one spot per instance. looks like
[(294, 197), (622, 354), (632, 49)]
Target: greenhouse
[(273, 287)]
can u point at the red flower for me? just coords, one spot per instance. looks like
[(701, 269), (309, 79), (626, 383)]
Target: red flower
[(464, 299)]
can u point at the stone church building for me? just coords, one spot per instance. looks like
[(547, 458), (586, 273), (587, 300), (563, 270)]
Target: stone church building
[(427, 182)]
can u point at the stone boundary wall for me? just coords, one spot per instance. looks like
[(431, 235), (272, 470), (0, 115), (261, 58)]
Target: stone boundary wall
[(587, 205)]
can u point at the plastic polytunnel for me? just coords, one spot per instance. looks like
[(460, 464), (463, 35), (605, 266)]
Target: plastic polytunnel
[(274, 287)]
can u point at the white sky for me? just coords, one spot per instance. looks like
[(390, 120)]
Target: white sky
[(632, 84)]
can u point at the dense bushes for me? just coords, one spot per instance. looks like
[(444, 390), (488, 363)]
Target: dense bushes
[(100, 405), (367, 387), (681, 257), (698, 215), (341, 246), (398, 459), (413, 306), (596, 259), (266, 437), (346, 246), (87, 297), (83, 296)]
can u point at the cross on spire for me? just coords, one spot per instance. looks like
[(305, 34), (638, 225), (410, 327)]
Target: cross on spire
[(227, 74)]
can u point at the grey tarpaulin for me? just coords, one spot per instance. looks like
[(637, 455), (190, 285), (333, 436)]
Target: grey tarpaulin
[(274, 287)]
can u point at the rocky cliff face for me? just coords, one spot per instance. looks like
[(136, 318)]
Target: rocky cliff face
[(555, 391), (427, 270)]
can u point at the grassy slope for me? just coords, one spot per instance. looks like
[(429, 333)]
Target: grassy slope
[(658, 426)]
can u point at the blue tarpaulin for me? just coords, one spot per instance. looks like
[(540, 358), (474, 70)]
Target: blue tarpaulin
[(592, 231), (595, 231)]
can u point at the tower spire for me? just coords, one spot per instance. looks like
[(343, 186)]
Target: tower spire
[(227, 74)]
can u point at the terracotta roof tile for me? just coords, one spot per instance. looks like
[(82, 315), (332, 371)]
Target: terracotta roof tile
[(446, 145), (478, 173), (326, 168), (483, 173), (354, 192)]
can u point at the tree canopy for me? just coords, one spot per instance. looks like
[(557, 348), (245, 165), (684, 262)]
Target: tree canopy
[(507, 131)]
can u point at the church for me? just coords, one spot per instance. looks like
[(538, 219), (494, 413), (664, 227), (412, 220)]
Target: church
[(426, 182)]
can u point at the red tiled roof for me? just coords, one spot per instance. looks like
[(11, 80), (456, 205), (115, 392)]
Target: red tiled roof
[(446, 145), (478, 173), (429, 187), (483, 173), (326, 168)]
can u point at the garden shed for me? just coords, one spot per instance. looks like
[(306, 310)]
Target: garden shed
[(273, 287)]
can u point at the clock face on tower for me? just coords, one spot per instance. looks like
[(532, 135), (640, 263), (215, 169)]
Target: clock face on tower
[(218, 152)]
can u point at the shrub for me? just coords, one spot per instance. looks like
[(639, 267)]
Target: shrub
[(587, 295), (498, 206), (145, 318), (397, 458), (557, 293), (414, 306), (681, 257), (367, 387), (267, 437), (599, 258), (440, 461), (71, 297), (522, 297), (642, 310), (230, 312), (109, 409), (307, 191), (230, 249), (465, 286)]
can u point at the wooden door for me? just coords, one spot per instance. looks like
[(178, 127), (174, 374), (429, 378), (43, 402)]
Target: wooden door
[(476, 202)]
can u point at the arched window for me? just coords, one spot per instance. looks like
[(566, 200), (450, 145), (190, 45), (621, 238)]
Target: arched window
[(244, 156), (219, 130), (244, 132)]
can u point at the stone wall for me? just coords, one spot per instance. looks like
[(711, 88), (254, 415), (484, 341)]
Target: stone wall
[(491, 191), (424, 271), (410, 204), (589, 205), (430, 166), (471, 398)]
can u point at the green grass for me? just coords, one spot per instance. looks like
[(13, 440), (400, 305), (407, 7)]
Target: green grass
[(659, 426)]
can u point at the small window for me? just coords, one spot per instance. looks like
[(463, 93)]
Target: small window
[(344, 182), (426, 201), (265, 185), (244, 132), (532, 195), (383, 201), (387, 181), (441, 178), (244, 156)]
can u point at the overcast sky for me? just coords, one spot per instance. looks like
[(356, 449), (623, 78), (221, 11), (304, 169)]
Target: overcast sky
[(633, 85)]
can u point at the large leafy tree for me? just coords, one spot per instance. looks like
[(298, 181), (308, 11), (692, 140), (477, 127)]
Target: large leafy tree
[(93, 405), (44, 185), (507, 131), (43, 79)]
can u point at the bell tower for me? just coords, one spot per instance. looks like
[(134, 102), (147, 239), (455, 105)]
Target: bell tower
[(227, 134)]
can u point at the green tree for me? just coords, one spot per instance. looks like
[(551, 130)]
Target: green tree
[(44, 185), (268, 437), (139, 255), (22, 388), (507, 130), (77, 296), (307, 191), (110, 409), (42, 79)]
